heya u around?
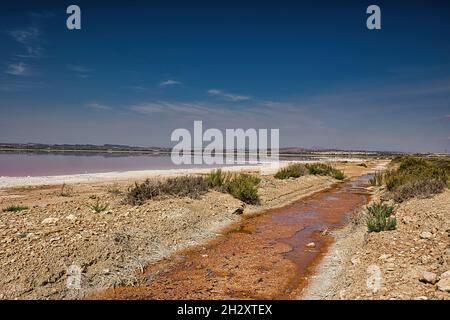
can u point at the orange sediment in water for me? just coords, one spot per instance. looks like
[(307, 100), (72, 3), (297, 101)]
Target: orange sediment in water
[(267, 256)]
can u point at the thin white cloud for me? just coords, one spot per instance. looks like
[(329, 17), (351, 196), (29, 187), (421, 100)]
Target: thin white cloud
[(228, 96), (169, 107), (137, 88), (30, 39), (79, 70), (17, 69), (98, 106), (167, 83)]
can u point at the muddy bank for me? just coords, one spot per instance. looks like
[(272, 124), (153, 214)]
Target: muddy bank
[(59, 230), (267, 256), (411, 262)]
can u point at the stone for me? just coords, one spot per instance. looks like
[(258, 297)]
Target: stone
[(426, 235), (445, 275), (49, 220), (311, 245), (71, 217), (428, 277), (444, 285)]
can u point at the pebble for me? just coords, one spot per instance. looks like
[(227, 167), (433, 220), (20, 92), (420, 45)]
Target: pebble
[(428, 277), (71, 217), (426, 235), (49, 220), (311, 245), (444, 285), (445, 275)]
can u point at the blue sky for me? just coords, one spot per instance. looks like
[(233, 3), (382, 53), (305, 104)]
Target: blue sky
[(137, 70)]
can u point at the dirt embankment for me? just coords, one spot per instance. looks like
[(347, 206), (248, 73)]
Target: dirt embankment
[(411, 262), (59, 234)]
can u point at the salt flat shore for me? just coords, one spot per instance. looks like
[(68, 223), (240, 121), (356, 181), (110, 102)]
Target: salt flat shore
[(11, 182)]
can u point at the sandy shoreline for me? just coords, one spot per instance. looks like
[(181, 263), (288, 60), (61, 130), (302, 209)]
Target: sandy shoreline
[(264, 169), (40, 243)]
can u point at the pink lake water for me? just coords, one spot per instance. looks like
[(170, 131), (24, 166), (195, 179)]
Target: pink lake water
[(48, 164)]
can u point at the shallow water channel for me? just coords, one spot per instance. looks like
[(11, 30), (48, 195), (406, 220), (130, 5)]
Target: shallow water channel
[(266, 256)]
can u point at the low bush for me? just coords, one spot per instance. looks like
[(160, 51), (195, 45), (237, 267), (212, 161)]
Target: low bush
[(98, 206), (114, 190), (323, 169), (244, 187), (187, 186), (14, 208), (378, 179), (420, 188), (294, 170), (417, 177), (241, 186), (379, 217), (217, 179)]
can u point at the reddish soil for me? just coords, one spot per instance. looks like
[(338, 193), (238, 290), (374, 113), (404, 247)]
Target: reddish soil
[(264, 257)]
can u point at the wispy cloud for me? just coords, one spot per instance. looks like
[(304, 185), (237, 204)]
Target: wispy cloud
[(21, 84), (167, 83), (228, 96), (137, 88), (169, 107), (79, 70), (17, 69), (30, 39), (98, 106)]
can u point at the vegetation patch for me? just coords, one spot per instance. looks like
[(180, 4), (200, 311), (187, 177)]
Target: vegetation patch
[(379, 217), (294, 170), (378, 179), (242, 186), (187, 186), (98, 206), (323, 169), (417, 177), (114, 190), (14, 208)]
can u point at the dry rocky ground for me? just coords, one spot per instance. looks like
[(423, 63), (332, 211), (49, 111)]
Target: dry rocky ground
[(38, 245), (411, 262)]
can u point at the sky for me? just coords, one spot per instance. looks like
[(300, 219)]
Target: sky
[(137, 70)]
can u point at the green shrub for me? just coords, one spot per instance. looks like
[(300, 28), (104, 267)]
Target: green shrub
[(294, 170), (218, 179), (244, 187), (339, 175), (420, 188), (379, 218), (417, 177), (186, 186), (141, 192), (98, 206), (323, 169), (15, 208), (378, 179), (114, 190), (241, 186)]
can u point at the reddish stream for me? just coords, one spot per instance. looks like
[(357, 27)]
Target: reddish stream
[(263, 257)]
